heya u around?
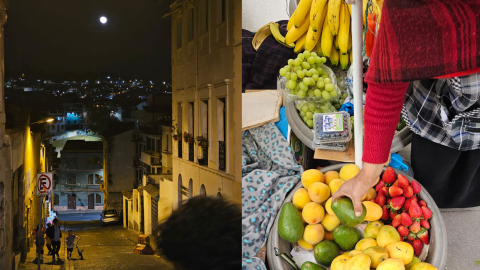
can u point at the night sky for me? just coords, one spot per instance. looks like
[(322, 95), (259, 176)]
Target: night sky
[(64, 39)]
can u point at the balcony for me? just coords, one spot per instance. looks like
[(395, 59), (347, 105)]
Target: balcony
[(151, 158), (222, 156)]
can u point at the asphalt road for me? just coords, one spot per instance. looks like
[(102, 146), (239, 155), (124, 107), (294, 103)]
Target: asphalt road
[(85, 216)]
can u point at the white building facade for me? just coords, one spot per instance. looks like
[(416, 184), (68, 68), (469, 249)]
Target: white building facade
[(206, 100)]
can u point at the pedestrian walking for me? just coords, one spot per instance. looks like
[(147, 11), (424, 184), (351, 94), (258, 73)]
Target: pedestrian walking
[(70, 239), (39, 243), (48, 241), (55, 234)]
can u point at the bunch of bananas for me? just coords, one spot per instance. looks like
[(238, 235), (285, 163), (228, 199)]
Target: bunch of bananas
[(324, 25)]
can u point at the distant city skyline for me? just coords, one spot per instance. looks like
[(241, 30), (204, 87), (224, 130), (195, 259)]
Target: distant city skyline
[(59, 39)]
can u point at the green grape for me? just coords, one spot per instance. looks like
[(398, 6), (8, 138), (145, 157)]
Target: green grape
[(293, 76), (305, 70), (317, 92), (310, 93), (318, 60), (318, 111), (299, 106), (324, 60), (311, 60), (306, 81), (315, 77), (311, 107), (303, 87), (305, 119), (306, 53), (320, 84), (290, 62), (291, 84), (344, 95), (328, 80), (309, 115), (329, 87), (342, 101), (301, 94), (312, 81), (301, 56), (292, 92), (305, 108), (310, 123), (305, 65), (325, 95), (287, 67), (313, 66), (325, 76), (302, 113), (309, 73), (314, 54), (297, 62), (320, 79), (297, 68), (300, 74), (314, 71), (333, 94), (283, 72), (287, 75), (337, 107)]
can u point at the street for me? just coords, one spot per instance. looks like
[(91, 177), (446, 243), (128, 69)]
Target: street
[(109, 247)]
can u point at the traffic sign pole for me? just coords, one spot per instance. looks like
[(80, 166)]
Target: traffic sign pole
[(40, 202)]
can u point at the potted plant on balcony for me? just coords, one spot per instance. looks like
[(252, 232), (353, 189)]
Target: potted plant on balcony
[(186, 137), (202, 141)]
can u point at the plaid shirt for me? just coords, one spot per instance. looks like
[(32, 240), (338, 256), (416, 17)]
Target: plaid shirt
[(445, 111), (260, 69)]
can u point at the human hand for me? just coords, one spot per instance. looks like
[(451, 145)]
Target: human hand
[(358, 186)]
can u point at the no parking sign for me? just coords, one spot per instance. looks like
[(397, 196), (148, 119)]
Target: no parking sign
[(44, 183)]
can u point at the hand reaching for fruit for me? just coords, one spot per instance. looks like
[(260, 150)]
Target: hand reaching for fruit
[(358, 186)]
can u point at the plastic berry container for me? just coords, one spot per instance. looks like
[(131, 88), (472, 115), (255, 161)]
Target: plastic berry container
[(332, 127)]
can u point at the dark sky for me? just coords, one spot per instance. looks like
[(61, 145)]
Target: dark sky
[(64, 39)]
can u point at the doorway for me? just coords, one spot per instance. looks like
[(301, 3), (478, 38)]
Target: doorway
[(72, 201), (91, 201)]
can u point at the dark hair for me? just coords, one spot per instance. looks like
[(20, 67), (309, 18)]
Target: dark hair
[(203, 233), (69, 230), (55, 221)]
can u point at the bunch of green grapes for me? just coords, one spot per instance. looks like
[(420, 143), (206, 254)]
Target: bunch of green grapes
[(309, 108), (306, 78)]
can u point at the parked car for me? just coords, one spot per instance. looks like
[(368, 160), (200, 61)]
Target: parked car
[(109, 217)]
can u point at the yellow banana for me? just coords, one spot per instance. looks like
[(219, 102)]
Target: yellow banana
[(290, 21), (350, 38), (344, 31), (278, 36), (316, 13), (351, 57), (333, 15), (319, 48), (344, 61), (334, 57), (300, 45), (260, 36), (312, 36), (301, 12), (335, 42), (327, 39), (296, 32)]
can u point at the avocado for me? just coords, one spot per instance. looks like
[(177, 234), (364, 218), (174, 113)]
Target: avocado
[(346, 237), (290, 224), (325, 252), (312, 266), (343, 208)]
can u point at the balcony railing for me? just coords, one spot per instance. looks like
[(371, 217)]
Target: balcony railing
[(222, 156), (155, 161)]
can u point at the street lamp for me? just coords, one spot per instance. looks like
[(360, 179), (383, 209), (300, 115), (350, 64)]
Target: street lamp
[(49, 120)]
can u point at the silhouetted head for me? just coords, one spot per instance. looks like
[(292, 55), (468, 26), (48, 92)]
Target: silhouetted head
[(203, 233)]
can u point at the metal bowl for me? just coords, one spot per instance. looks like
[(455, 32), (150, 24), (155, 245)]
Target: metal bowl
[(437, 254)]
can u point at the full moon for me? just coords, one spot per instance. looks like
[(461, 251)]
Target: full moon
[(103, 19)]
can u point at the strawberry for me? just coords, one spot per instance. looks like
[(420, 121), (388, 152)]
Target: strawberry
[(411, 237), (408, 191), (385, 214), (427, 214), (395, 183), (402, 230), (397, 203), (417, 246), (384, 190), (425, 224), (379, 186), (393, 213), (389, 175), (395, 191), (406, 219), (403, 181), (380, 200), (415, 228), (415, 211), (422, 203), (423, 236), (416, 187), (397, 221), (408, 203)]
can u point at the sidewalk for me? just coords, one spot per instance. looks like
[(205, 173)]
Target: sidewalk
[(47, 260)]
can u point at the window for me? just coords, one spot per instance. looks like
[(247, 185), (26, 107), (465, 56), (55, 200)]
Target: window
[(179, 32), (203, 192), (71, 179), (191, 118), (90, 179), (191, 24), (224, 8), (75, 122), (219, 195), (206, 13), (204, 118), (98, 198), (190, 188), (68, 122), (56, 199), (221, 11), (221, 119), (97, 179), (179, 189), (90, 160), (97, 160)]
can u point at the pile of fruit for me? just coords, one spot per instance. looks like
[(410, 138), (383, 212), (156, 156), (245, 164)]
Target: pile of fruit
[(330, 229), (324, 25)]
